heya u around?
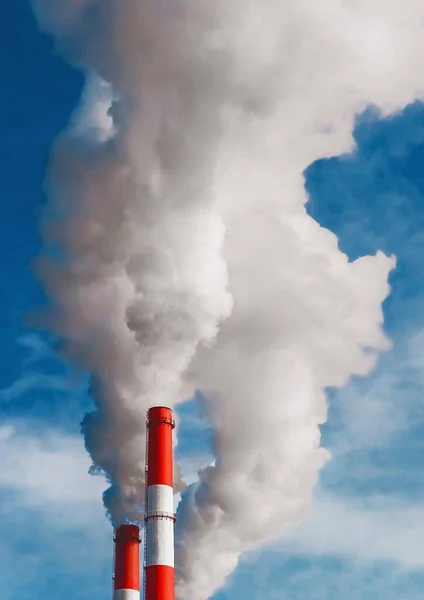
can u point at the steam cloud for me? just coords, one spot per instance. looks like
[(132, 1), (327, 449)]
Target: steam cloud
[(187, 259)]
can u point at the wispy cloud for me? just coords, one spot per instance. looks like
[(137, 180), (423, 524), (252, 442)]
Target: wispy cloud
[(382, 529), (37, 371), (49, 471), (275, 576), (33, 380), (375, 427), (371, 412), (52, 522), (38, 348)]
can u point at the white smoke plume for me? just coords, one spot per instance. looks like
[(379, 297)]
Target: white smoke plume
[(185, 222), (138, 281)]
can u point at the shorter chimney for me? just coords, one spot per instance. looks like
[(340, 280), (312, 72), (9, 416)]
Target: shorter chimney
[(127, 563)]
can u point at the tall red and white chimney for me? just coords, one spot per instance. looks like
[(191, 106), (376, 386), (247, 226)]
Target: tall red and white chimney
[(127, 563), (159, 559)]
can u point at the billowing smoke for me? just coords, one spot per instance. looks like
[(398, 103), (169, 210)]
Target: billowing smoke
[(134, 264), (184, 254)]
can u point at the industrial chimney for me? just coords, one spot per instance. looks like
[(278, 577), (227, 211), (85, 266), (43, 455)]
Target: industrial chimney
[(159, 558), (127, 563)]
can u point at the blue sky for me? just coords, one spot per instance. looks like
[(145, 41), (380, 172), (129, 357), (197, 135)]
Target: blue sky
[(364, 537)]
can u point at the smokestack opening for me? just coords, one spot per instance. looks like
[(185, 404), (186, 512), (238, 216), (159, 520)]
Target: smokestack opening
[(158, 415)]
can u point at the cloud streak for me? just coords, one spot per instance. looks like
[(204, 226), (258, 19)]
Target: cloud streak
[(35, 370), (45, 469), (378, 529)]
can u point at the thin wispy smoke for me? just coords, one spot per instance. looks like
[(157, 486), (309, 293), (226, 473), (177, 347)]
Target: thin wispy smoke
[(187, 259)]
